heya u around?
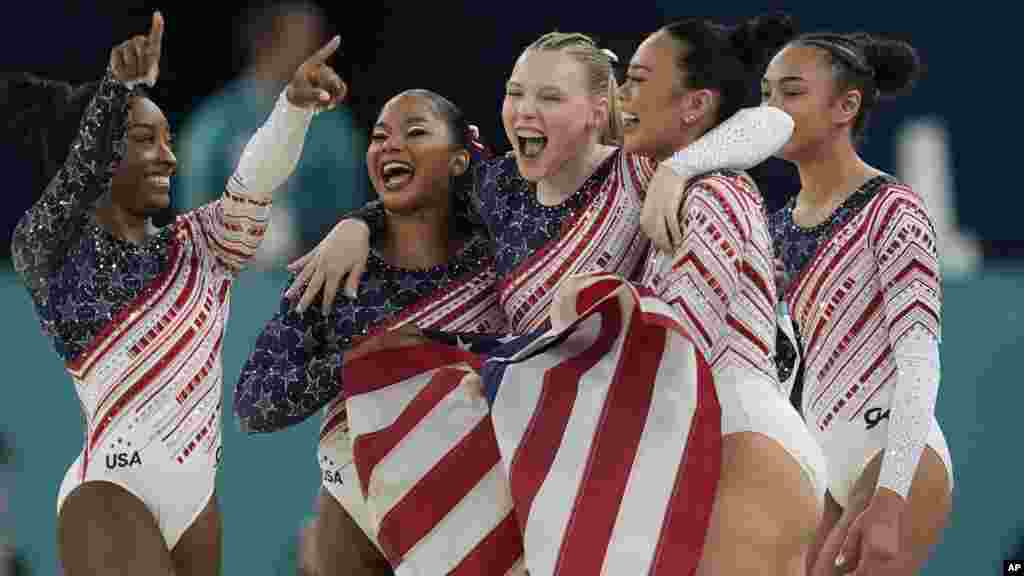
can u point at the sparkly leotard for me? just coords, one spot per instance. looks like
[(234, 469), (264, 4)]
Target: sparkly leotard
[(720, 280), (597, 228), (296, 367), (864, 291), (140, 327), (538, 248)]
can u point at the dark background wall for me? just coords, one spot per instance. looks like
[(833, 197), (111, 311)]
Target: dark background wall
[(464, 50)]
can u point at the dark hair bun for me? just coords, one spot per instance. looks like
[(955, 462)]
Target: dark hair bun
[(41, 116), (758, 39), (25, 96), (896, 64), (31, 103)]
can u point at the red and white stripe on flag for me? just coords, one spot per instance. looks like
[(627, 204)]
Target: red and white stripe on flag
[(428, 463), (612, 438)]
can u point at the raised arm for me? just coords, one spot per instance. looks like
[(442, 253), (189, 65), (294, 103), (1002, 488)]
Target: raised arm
[(43, 235), (742, 141), (908, 270), (234, 225)]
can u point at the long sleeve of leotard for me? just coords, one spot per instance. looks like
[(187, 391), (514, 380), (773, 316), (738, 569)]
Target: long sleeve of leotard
[(234, 224), (742, 141), (908, 270), (295, 368), (709, 276), (43, 235)]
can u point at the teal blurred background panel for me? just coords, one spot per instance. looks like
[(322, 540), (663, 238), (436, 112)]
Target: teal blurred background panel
[(268, 484)]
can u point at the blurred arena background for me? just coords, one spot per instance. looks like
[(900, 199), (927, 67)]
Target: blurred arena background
[(955, 140)]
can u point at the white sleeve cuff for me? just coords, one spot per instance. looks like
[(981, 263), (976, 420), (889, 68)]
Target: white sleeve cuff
[(272, 154), (743, 141)]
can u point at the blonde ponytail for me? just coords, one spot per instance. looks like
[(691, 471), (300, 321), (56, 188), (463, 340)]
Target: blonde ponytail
[(613, 130)]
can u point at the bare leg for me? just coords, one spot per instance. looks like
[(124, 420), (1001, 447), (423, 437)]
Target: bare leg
[(765, 511), (198, 552), (341, 545), (927, 513), (309, 557), (924, 518), (105, 530)]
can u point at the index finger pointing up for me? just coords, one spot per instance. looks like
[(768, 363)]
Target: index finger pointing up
[(156, 31), (324, 53)]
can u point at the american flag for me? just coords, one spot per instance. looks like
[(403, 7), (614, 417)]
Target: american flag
[(590, 447), (428, 462)]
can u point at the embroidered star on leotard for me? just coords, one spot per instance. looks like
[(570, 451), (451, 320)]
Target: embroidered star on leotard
[(69, 310), (86, 271), (505, 251), (518, 218), (118, 281), (102, 307), (279, 358), (75, 174), (310, 341), (347, 313), (264, 404), (291, 376), (408, 282), (500, 208), (294, 408)]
